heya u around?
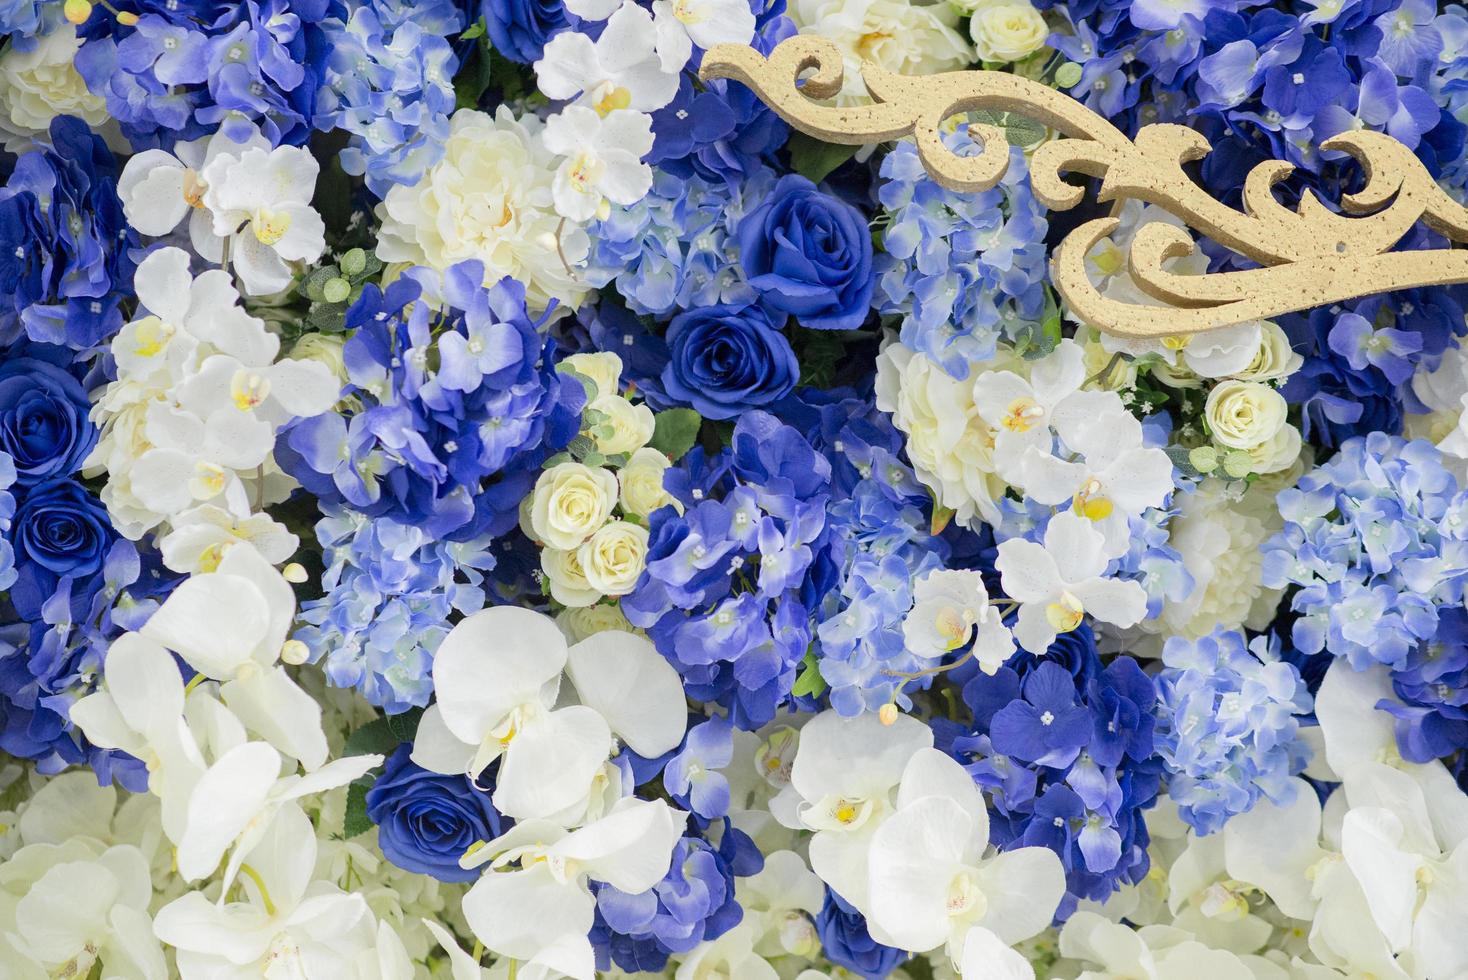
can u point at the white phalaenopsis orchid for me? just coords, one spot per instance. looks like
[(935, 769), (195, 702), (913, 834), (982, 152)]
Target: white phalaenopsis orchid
[(231, 626), (1022, 412), (1060, 582), (1117, 476), (260, 200), (951, 610), (603, 159), (497, 676), (845, 772), (201, 535), (535, 898), (619, 70), (158, 188), (782, 901), (287, 924), (931, 880), (682, 25)]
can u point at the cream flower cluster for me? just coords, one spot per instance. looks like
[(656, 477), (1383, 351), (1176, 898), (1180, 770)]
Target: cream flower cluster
[(591, 520)]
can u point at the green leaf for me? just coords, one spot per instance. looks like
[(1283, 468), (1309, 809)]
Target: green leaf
[(675, 432), (383, 735), (813, 159), (474, 30), (357, 822), (1023, 132), (473, 78), (581, 446), (1068, 74), (810, 682)]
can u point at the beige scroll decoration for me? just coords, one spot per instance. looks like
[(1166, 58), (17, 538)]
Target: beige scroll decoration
[(1308, 257)]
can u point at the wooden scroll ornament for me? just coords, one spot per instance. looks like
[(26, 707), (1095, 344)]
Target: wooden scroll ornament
[(1308, 257)]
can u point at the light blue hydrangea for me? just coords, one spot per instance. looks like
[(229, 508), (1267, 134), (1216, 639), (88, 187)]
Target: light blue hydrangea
[(1377, 539), (390, 590), (1227, 726), (389, 82), (961, 269), (676, 249), (7, 511)]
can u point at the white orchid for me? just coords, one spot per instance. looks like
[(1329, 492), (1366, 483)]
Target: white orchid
[(845, 772), (732, 956), (1116, 476), (951, 610), (260, 199), (683, 24), (931, 880), (603, 160), (158, 188), (1021, 411), (286, 925), (497, 676), (535, 897), (201, 535), (782, 900), (84, 915), (619, 70), (1060, 582), (231, 625)]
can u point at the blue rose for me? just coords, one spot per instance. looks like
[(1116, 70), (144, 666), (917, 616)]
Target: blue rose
[(426, 821), (62, 529), (725, 360), (43, 420), (518, 29), (810, 255)]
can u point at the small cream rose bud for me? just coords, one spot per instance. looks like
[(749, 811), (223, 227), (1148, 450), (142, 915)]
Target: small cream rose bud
[(294, 652), (294, 573)]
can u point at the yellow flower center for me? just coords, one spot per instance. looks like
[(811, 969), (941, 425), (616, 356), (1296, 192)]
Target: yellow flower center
[(270, 226), (248, 389), (151, 336), (1064, 614), (1090, 503), (1022, 414), (610, 98)]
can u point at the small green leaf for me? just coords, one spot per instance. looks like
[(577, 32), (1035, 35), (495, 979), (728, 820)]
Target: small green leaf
[(336, 290), (813, 159), (810, 682), (353, 262), (383, 735), (675, 432), (474, 77), (1023, 132), (1068, 74), (580, 446), (357, 822), (474, 30)]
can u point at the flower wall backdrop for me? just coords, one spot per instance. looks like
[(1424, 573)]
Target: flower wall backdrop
[(476, 500)]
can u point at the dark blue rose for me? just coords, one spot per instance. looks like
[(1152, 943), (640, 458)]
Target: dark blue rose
[(62, 529), (426, 821), (847, 943), (726, 360), (518, 29), (43, 420), (810, 255)]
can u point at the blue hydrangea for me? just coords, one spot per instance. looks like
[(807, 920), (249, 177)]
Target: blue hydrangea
[(1431, 720), (186, 69), (446, 415), (676, 248), (26, 21), (64, 244), (1065, 750), (847, 943), (1228, 726), (1376, 540), (694, 903), (7, 511), (390, 591), (389, 82), (961, 269)]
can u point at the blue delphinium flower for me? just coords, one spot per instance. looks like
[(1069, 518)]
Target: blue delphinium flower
[(1227, 726), (390, 591), (450, 450), (391, 86), (694, 903), (1377, 541), (64, 262), (692, 777), (1431, 721), (847, 943), (961, 270)]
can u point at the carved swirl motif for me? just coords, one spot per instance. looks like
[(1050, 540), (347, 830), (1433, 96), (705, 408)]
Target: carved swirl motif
[(1309, 257)]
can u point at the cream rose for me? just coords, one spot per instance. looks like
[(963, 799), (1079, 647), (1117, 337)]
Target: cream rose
[(623, 428), (489, 198), (1275, 360), (1277, 453), (1007, 30), (603, 369), (579, 623), (567, 578), (642, 483), (1243, 414), (571, 501), (38, 85), (325, 349), (614, 557)]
